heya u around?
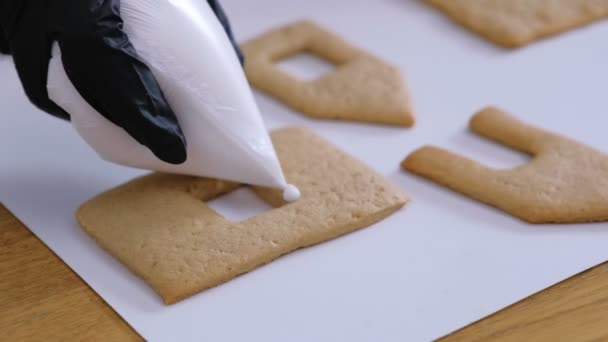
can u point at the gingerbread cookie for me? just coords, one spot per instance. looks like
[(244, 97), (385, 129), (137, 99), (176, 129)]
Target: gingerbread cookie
[(513, 23), (565, 182), (362, 87), (160, 227)]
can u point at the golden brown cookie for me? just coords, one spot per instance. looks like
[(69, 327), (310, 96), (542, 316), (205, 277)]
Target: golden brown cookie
[(362, 87), (565, 182), (160, 227), (513, 23)]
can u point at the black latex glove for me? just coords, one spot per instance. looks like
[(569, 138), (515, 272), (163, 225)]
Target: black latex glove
[(3, 42), (221, 16), (99, 60)]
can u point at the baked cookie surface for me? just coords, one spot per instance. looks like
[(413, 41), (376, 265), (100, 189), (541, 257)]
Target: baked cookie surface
[(565, 182), (513, 23), (361, 88), (161, 229)]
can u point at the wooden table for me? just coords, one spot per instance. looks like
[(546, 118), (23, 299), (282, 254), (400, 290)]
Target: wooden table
[(41, 299)]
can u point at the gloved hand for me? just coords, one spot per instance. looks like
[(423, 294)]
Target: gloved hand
[(100, 62)]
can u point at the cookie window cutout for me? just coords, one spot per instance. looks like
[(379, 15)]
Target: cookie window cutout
[(161, 229), (515, 23), (564, 182), (361, 87)]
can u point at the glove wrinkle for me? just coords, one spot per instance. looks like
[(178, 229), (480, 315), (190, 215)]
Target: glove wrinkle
[(101, 63)]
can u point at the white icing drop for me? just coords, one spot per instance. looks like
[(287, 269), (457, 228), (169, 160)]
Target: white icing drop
[(291, 193)]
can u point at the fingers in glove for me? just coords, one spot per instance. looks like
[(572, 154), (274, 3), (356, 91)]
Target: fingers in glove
[(221, 16), (105, 69), (31, 51), (4, 48)]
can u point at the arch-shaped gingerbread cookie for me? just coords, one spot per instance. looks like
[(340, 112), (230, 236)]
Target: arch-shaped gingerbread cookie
[(565, 182), (161, 229), (362, 87)]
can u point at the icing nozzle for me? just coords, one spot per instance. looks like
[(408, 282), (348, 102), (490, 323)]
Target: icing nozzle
[(291, 193)]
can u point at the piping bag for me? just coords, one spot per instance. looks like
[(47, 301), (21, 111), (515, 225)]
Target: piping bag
[(192, 58)]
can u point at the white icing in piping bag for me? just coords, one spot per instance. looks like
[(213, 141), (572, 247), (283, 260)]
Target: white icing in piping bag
[(193, 60)]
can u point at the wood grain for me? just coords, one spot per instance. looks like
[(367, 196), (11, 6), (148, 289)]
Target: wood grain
[(41, 299), (573, 310)]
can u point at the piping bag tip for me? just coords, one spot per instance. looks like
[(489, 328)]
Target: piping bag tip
[(227, 141), (291, 193)]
